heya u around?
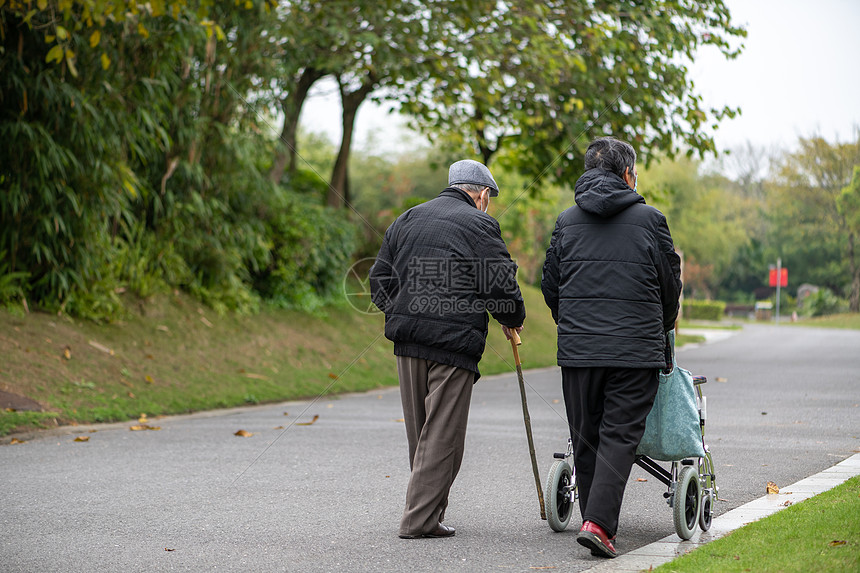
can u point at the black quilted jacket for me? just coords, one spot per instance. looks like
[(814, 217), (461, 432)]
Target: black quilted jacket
[(611, 277), (442, 266)]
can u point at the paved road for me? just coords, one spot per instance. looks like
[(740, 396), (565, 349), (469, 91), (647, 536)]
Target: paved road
[(328, 496)]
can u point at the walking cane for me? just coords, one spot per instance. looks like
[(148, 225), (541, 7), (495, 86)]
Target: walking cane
[(515, 341)]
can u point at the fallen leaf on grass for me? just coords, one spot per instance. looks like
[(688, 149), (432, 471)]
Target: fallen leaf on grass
[(332, 375), (67, 353), (148, 379), (162, 328), (205, 321), (315, 418), (836, 543), (243, 434), (101, 347), (772, 487), (82, 439), (256, 376)]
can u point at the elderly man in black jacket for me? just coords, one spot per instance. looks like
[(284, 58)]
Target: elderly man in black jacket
[(442, 266), (612, 281)]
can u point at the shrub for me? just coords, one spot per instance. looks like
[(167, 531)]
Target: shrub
[(824, 302), (704, 309)]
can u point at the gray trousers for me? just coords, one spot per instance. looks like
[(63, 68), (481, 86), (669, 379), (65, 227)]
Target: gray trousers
[(436, 401)]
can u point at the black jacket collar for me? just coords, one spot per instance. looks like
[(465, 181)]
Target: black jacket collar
[(458, 194)]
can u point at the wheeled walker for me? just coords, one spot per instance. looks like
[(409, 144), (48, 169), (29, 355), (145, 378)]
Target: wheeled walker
[(691, 482)]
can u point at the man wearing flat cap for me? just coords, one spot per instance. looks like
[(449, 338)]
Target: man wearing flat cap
[(442, 267)]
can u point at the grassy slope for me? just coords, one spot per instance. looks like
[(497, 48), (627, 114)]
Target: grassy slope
[(179, 358), (819, 534)]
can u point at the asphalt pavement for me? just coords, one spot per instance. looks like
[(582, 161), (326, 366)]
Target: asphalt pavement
[(783, 404)]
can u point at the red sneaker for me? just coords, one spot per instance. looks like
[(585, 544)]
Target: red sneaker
[(595, 538)]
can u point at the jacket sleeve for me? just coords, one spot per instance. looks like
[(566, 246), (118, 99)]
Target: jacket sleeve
[(669, 275), (500, 290), (384, 282), (550, 277)]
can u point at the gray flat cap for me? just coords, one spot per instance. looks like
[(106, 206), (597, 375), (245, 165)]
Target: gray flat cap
[(472, 172)]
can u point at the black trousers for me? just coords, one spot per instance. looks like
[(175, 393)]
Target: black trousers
[(606, 411)]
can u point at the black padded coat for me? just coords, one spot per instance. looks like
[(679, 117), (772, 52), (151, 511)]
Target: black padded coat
[(611, 278), (442, 266)]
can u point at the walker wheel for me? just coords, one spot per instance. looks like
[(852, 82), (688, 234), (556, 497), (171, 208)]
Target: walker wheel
[(559, 494), (685, 505), (706, 514)]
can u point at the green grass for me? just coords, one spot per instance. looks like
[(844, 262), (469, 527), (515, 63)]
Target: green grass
[(850, 321), (177, 357), (819, 534), (708, 325)]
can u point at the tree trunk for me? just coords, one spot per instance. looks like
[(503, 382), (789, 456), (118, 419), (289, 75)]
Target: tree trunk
[(483, 145), (292, 107), (338, 190)]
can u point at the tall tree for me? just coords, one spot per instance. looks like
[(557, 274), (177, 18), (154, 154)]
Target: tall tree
[(848, 205), (813, 227), (543, 78)]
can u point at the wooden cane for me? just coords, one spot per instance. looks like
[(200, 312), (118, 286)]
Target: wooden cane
[(515, 341)]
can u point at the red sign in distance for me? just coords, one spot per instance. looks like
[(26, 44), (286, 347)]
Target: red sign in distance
[(783, 277)]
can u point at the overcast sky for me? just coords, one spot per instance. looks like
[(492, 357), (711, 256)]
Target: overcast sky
[(798, 75)]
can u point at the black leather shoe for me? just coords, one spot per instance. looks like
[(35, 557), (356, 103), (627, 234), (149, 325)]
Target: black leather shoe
[(439, 531)]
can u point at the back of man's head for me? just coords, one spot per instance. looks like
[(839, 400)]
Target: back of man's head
[(611, 155)]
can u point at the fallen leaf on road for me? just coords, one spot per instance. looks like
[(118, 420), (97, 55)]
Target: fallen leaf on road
[(138, 428), (166, 549), (243, 434), (15, 441), (316, 417), (721, 379), (772, 487), (544, 567), (82, 439), (836, 543), (641, 479), (279, 427), (399, 420), (286, 413), (787, 503)]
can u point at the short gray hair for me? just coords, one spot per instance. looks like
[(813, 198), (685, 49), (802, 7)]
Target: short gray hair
[(470, 188), (611, 155)]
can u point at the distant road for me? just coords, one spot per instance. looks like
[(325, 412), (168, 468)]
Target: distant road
[(782, 403)]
